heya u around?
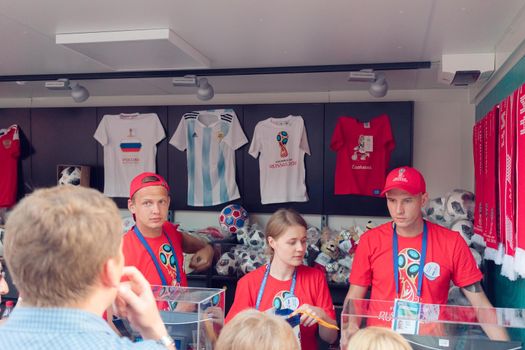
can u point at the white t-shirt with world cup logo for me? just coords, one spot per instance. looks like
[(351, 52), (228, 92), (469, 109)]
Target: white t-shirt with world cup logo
[(280, 144), (130, 148)]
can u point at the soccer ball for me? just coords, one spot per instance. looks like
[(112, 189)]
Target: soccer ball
[(256, 238), (251, 261), (435, 210), (465, 229), (233, 218), (460, 204), (70, 176), (243, 235), (227, 264)]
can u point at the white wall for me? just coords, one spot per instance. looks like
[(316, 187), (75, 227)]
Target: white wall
[(443, 145)]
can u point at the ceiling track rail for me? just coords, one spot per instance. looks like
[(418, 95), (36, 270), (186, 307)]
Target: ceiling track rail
[(220, 71)]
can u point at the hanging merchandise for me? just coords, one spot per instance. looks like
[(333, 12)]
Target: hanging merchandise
[(210, 139), (486, 173), (282, 144), (130, 148), (477, 150), (9, 154), (507, 178), (363, 155), (519, 260)]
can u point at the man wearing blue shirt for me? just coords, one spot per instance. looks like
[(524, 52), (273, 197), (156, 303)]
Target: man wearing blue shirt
[(63, 248)]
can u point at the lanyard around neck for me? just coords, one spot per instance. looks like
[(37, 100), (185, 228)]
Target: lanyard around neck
[(263, 285), (421, 260), (154, 258)]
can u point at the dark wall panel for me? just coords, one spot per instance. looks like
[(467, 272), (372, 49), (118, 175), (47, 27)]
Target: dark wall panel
[(401, 120), (313, 119), (21, 117), (177, 165), (65, 136), (162, 153), (61, 136)]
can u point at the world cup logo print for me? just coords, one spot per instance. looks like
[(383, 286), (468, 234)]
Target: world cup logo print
[(408, 262), (168, 259), (282, 139)]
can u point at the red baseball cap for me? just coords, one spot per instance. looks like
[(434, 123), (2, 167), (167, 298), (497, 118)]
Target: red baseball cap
[(146, 180), (407, 179)]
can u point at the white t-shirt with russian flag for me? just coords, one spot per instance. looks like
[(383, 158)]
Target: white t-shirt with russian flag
[(210, 139), (282, 144), (130, 148)]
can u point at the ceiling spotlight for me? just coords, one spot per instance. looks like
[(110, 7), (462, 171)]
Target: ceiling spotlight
[(205, 90), (378, 86), (78, 92)]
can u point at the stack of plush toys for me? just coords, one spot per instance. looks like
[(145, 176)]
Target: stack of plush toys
[(331, 251), (336, 252), (455, 210)]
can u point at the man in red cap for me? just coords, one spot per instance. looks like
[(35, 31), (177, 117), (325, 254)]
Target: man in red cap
[(155, 245), (411, 259)]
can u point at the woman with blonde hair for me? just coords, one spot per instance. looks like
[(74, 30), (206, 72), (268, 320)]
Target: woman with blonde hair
[(285, 284), (252, 329), (377, 338)]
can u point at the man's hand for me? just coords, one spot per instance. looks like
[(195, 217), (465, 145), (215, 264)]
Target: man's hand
[(135, 301), (202, 259)]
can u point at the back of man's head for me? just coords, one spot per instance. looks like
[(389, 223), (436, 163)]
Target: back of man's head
[(57, 241)]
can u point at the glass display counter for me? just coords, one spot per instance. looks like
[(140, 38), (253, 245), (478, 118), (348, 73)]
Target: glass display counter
[(193, 317), (430, 326)]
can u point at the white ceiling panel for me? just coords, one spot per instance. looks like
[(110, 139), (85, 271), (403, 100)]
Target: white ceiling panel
[(26, 51), (250, 33)]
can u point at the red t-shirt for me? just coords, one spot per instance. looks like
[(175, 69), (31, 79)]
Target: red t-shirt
[(9, 153), (448, 259), (311, 288), (136, 255), (363, 153)]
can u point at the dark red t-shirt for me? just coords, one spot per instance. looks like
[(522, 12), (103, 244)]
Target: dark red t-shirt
[(9, 153), (363, 153)]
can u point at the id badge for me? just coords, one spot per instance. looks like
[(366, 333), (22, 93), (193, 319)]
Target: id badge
[(406, 317)]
